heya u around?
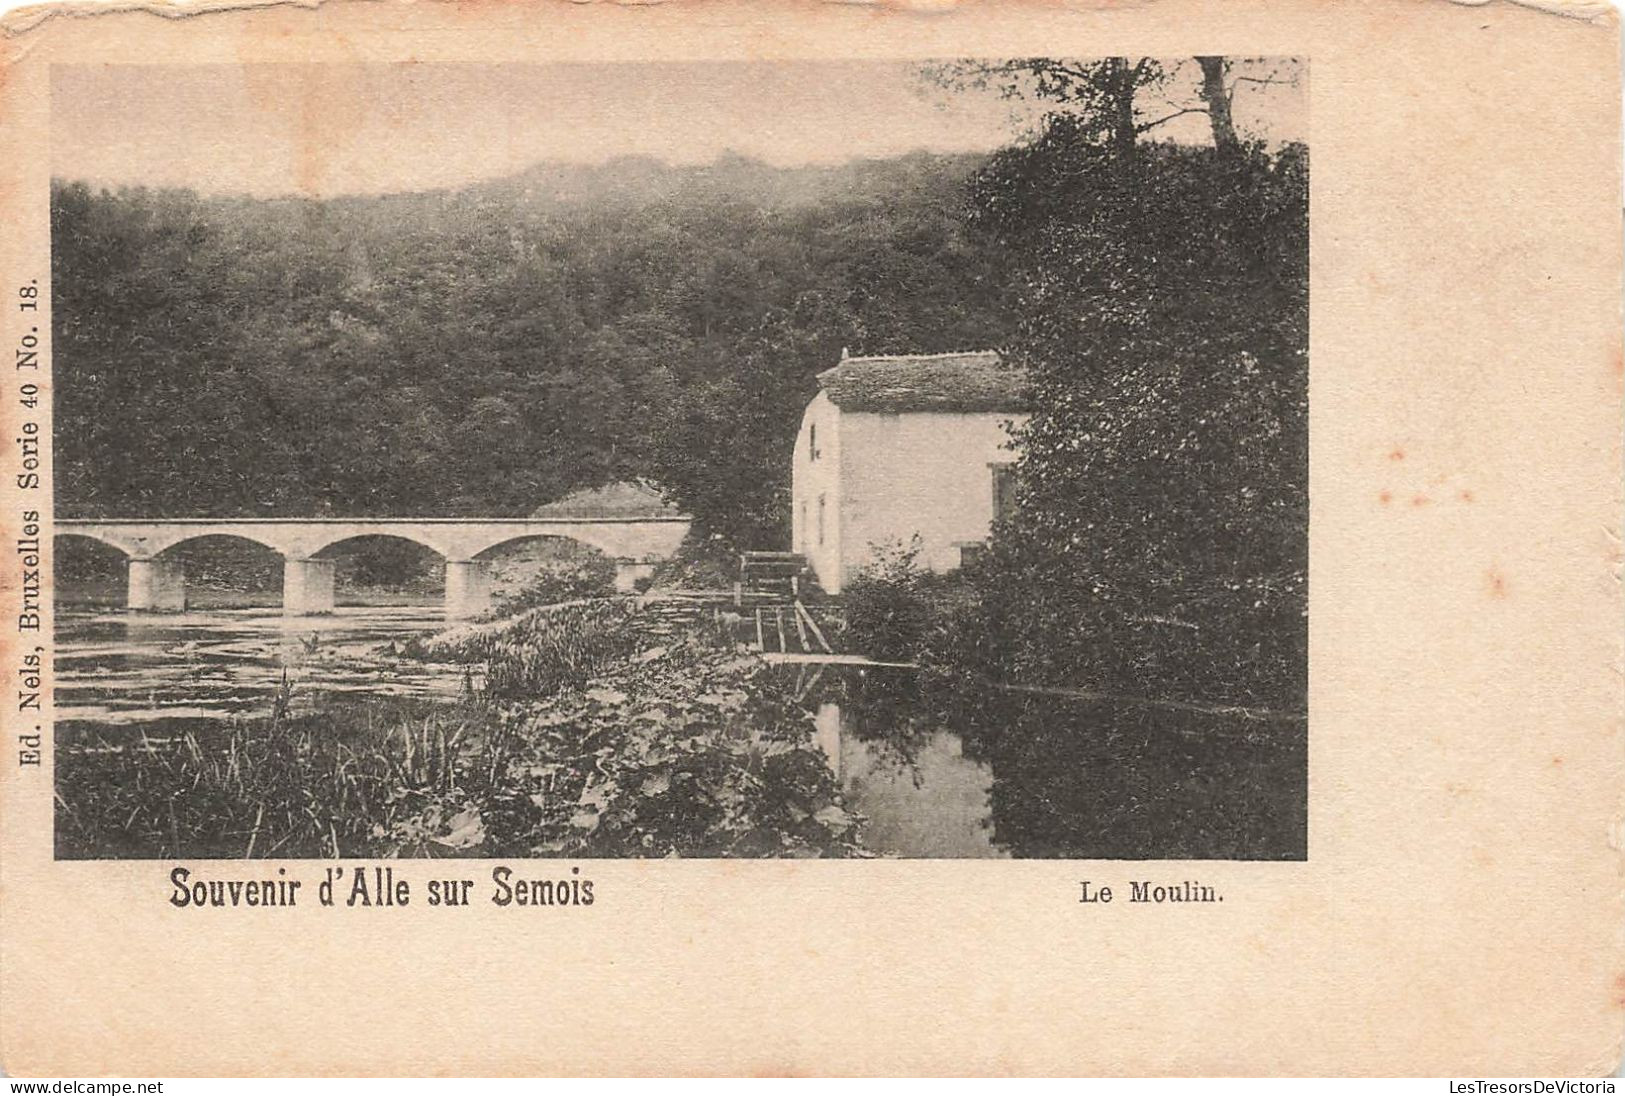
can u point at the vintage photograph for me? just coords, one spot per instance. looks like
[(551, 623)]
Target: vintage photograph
[(706, 459)]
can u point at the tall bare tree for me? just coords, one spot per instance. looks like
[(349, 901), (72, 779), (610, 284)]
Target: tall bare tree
[(1123, 99), (1216, 95)]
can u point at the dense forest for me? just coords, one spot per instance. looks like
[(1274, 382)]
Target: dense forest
[(486, 350)]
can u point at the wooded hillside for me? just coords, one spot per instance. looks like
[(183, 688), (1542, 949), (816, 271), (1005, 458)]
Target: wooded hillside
[(486, 350)]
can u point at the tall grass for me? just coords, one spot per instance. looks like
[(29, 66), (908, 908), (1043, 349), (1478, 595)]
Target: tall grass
[(679, 746), (350, 780), (372, 778), (545, 650)]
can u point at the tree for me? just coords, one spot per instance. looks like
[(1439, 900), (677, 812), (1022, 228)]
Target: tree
[(1217, 98), (1101, 96), (1118, 101), (1160, 538)]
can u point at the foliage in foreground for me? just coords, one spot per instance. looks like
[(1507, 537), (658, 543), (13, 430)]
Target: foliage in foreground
[(589, 575), (685, 749), (544, 650)]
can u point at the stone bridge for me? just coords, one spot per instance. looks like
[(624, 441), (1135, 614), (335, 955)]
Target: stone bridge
[(158, 583)]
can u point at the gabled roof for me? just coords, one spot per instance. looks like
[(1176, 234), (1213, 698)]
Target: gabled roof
[(967, 381), (625, 499)]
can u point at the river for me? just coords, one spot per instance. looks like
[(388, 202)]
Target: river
[(978, 774), (115, 668), (119, 671)]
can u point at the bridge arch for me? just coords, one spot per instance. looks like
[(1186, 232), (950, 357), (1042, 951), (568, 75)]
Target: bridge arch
[(89, 571), (526, 566), (312, 547), (491, 546), (629, 541), (104, 539), (226, 568), (169, 545), (378, 567)]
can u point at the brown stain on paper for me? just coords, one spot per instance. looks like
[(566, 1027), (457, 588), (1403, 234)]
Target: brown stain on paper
[(331, 103), (1424, 490)]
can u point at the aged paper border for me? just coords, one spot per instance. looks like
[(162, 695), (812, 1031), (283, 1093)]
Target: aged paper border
[(1460, 911)]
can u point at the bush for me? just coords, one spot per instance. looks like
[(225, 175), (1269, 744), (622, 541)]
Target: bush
[(1159, 541), (543, 650), (570, 580), (898, 611), (886, 616), (354, 780), (702, 562)]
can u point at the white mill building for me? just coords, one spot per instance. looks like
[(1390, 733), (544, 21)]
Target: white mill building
[(893, 447)]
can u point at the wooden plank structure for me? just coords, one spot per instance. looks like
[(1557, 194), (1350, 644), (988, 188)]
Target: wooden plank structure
[(769, 614), (787, 628), (823, 658), (777, 571), (801, 629), (818, 633)]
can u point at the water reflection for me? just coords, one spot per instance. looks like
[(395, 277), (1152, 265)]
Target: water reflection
[(937, 770), (948, 772), (929, 800), (115, 668)]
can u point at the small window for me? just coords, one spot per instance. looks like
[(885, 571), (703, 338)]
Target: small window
[(812, 441), (1004, 491), (820, 520)]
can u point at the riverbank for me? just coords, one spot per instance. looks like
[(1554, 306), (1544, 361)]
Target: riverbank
[(622, 726), (603, 728)]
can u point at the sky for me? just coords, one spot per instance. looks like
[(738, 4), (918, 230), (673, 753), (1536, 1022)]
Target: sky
[(329, 129)]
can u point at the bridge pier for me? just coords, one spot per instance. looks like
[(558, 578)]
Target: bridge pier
[(307, 586), (468, 588), (156, 585)]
